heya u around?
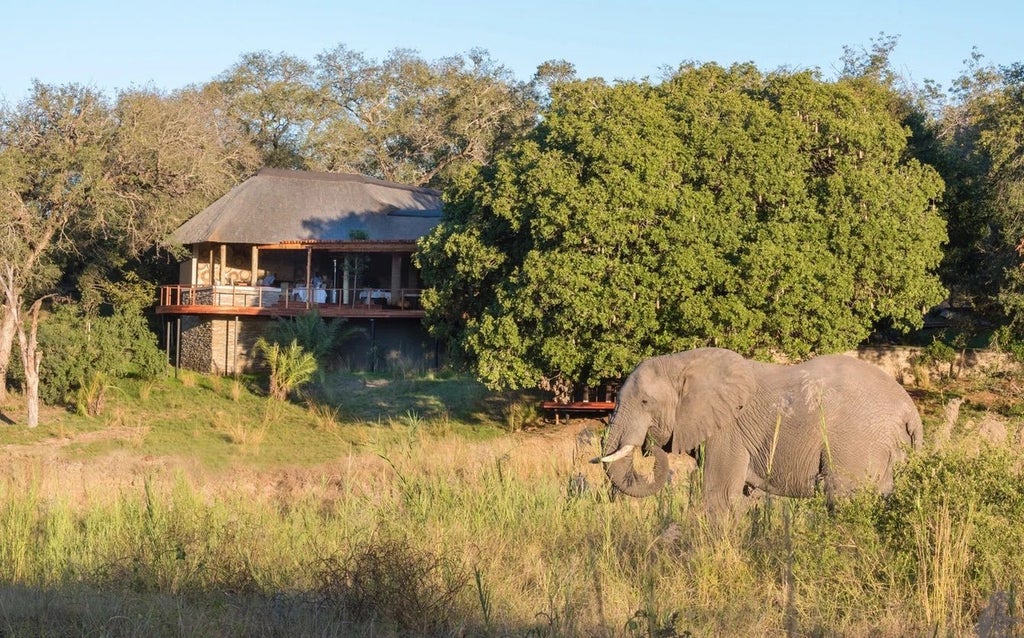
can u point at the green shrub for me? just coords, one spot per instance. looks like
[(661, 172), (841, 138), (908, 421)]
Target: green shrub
[(91, 395), (1005, 339), (77, 347), (939, 352), (974, 497), (290, 367)]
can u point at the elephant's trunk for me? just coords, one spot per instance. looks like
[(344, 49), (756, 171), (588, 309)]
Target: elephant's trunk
[(625, 478)]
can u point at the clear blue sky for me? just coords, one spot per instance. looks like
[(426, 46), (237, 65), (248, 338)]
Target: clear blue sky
[(115, 44)]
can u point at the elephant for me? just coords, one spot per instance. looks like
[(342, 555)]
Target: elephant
[(831, 423)]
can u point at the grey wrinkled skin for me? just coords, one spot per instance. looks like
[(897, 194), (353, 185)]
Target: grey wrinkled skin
[(831, 423)]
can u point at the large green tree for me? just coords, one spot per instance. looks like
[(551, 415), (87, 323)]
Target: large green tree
[(172, 155), (51, 185), (87, 185), (274, 99), (774, 214), (981, 147), (410, 120)]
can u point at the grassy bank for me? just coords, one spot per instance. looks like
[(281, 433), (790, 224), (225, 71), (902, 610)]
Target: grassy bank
[(408, 507)]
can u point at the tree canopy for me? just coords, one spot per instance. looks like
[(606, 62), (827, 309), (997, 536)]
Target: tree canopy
[(979, 149), (775, 214), (403, 118)]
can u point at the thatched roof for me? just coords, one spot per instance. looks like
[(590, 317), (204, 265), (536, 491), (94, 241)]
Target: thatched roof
[(277, 206)]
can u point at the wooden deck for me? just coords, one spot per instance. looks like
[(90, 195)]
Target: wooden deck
[(251, 301), (294, 310), (592, 409)]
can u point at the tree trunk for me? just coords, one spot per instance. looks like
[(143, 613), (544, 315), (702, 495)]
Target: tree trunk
[(32, 397), (7, 332), (31, 357), (10, 316)]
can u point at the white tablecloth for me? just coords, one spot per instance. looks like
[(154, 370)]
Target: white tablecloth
[(379, 296), (319, 294)]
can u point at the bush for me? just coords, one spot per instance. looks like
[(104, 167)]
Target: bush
[(77, 347), (389, 580), (290, 367), (91, 395), (939, 352), (1006, 340), (959, 510)]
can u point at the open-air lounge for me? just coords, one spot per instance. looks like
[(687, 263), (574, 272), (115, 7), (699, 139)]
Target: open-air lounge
[(285, 243)]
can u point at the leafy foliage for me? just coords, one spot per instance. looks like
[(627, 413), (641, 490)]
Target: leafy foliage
[(978, 151), (766, 213), (981, 490), (314, 335), (82, 351), (402, 118), (87, 188)]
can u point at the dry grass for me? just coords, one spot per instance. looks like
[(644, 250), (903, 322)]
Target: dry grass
[(246, 435), (324, 416), (187, 378), (419, 530), (944, 556), (236, 389)]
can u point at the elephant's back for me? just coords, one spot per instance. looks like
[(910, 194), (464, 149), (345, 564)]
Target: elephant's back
[(852, 376), (867, 390)]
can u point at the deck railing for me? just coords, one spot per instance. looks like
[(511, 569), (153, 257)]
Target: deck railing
[(288, 297)]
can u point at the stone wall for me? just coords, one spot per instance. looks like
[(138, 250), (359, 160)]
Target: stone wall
[(904, 363), (195, 350), (225, 346), (219, 345)]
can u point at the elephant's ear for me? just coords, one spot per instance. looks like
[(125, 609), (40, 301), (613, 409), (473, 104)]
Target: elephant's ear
[(714, 386)]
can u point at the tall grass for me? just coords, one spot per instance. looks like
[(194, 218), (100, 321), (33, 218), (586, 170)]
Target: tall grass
[(431, 533), (444, 537)]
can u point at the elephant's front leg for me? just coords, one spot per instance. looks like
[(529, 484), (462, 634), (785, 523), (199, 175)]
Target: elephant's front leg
[(726, 461)]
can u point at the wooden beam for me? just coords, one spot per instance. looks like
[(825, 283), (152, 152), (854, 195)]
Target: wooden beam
[(223, 263), (396, 278)]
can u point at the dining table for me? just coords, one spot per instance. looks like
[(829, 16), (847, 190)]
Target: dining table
[(301, 293)]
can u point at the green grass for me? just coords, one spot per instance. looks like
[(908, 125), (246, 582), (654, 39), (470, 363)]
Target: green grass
[(412, 510), (207, 418)]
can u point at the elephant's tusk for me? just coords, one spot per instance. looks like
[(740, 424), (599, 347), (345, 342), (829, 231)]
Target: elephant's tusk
[(622, 452)]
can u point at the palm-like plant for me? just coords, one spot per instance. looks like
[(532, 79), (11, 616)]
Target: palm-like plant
[(290, 366), (316, 336)]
